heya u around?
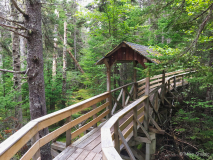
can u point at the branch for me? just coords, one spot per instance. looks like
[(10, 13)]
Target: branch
[(17, 72), (9, 20), (200, 14), (16, 32), (3, 25), (19, 9)]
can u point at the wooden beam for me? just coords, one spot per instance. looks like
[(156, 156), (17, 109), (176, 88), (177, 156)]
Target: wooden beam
[(68, 132), (116, 135), (126, 145), (142, 139), (144, 130), (151, 129), (146, 109), (135, 80)]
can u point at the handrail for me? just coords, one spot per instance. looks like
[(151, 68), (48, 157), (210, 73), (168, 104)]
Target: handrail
[(111, 149), (15, 142)]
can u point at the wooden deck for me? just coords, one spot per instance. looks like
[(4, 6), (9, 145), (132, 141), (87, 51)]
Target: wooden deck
[(88, 147)]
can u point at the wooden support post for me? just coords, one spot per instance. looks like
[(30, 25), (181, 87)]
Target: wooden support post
[(116, 134), (109, 86), (169, 85), (68, 133), (95, 115), (146, 115), (183, 83), (33, 140), (135, 121), (146, 108), (164, 87), (152, 145), (174, 82), (124, 97), (135, 80)]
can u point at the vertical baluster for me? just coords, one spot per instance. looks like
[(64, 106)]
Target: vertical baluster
[(117, 141), (169, 85), (164, 87), (146, 109), (135, 122), (135, 80), (124, 97), (95, 115), (108, 86), (68, 132), (174, 82)]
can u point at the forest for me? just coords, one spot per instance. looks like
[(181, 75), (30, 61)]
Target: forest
[(49, 50)]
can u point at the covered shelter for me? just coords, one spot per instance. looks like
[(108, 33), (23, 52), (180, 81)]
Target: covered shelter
[(127, 52)]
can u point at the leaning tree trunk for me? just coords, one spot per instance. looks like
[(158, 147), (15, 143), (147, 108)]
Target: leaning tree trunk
[(16, 67), (35, 66), (64, 65)]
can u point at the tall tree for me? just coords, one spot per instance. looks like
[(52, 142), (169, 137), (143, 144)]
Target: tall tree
[(64, 65)]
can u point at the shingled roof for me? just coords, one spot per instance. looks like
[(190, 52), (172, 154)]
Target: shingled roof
[(140, 49)]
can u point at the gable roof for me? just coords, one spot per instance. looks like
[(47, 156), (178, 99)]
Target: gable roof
[(140, 49)]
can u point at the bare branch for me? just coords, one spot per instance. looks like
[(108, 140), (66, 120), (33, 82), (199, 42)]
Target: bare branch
[(19, 9), (9, 20), (17, 72), (3, 25), (16, 32)]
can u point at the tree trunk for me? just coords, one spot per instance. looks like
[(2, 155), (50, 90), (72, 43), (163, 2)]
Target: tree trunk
[(36, 65), (1, 62), (16, 67), (64, 65)]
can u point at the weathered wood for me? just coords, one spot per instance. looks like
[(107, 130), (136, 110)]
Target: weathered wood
[(151, 129), (116, 137), (97, 157), (155, 81), (83, 155), (71, 124), (68, 132), (66, 153), (122, 87), (135, 81), (144, 130), (119, 96), (58, 146), (95, 115), (126, 145), (129, 95), (88, 125), (174, 82), (54, 153), (123, 96), (140, 93), (110, 154), (143, 81), (141, 88), (75, 154), (130, 92), (164, 87), (146, 108), (90, 156), (135, 118), (155, 124), (117, 101)]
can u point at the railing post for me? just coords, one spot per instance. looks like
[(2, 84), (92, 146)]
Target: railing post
[(116, 134), (146, 108), (109, 87), (174, 82), (164, 87), (124, 97), (183, 83), (169, 85), (146, 115), (68, 133), (94, 116), (135, 121), (33, 140), (135, 80)]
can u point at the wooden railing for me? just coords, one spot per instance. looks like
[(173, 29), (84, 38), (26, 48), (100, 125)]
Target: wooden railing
[(30, 131), (151, 91), (14, 143)]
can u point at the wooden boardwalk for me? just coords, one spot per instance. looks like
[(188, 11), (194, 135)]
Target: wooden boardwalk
[(88, 147)]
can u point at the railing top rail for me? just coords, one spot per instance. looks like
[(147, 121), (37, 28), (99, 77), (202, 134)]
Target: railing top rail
[(32, 127)]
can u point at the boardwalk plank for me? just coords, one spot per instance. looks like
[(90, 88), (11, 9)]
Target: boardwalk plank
[(75, 154), (66, 153), (83, 155), (93, 144), (97, 157), (90, 156)]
